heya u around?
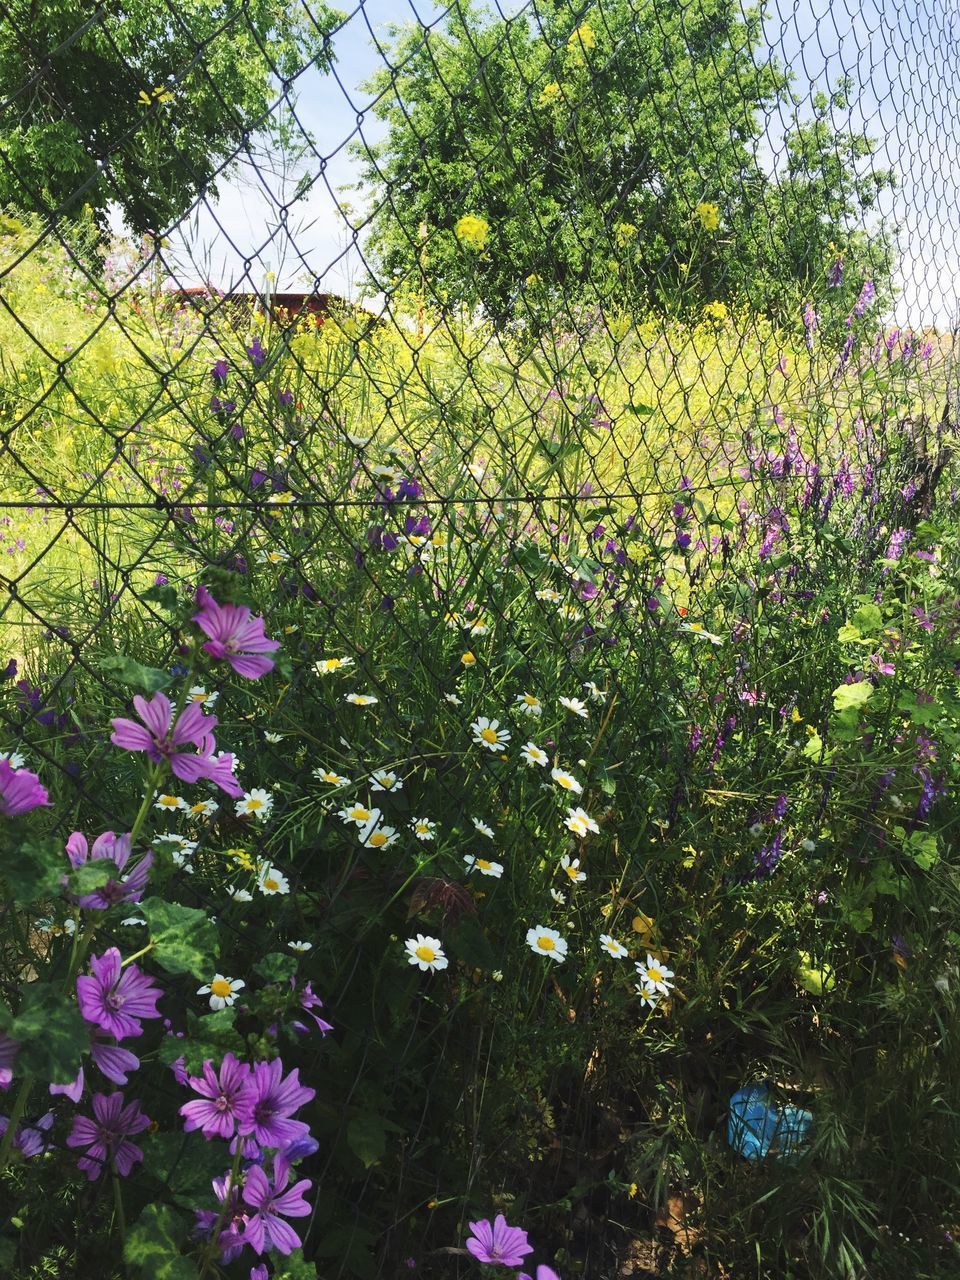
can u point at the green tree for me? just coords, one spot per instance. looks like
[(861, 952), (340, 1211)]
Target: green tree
[(607, 150), (141, 102)]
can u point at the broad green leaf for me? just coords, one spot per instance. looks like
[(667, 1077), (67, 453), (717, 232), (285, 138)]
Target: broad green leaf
[(50, 1031), (184, 938), (367, 1138), (33, 870), (208, 1036), (276, 967), (923, 849), (852, 695), (813, 977), (154, 1242), (848, 633), (130, 672), (91, 876), (814, 749), (868, 619)]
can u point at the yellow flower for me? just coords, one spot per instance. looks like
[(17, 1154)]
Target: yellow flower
[(796, 717), (468, 659), (632, 1190), (624, 232), (472, 231), (709, 215), (583, 37), (715, 312), (551, 92), (532, 280)]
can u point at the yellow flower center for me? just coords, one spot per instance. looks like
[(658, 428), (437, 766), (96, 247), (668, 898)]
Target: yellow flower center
[(427, 954), (361, 815), (378, 839), (271, 884), (220, 987), (572, 872), (546, 944), (655, 974), (488, 735), (468, 659), (170, 802), (565, 781), (483, 864), (253, 804), (530, 700)]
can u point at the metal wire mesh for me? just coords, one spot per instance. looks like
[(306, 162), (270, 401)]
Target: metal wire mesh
[(592, 162)]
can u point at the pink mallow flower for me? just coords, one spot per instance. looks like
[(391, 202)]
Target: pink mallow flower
[(498, 1244), (215, 1112), (265, 1112), (161, 739), (20, 791), (266, 1228), (543, 1273), (234, 635), (106, 1136), (115, 999), (115, 849)]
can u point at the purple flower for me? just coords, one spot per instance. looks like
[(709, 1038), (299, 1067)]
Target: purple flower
[(219, 371), (230, 1241), (72, 1090), (31, 1139), (114, 999), (543, 1273), (106, 1136), (8, 1051), (809, 324), (160, 741), (234, 635), (259, 1272), (265, 1111), (256, 352), (865, 298), (835, 274), (113, 1061), (309, 1002), (266, 1228), (499, 1244), (20, 791), (215, 1112), (115, 849), (285, 397)]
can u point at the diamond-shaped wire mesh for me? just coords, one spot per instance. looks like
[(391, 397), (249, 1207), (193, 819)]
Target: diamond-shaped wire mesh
[(449, 310)]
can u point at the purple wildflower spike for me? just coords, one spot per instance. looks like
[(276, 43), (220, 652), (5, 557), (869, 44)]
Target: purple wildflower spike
[(498, 1244), (234, 634), (107, 1135), (115, 999), (20, 791)]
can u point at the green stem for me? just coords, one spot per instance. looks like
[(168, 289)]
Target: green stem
[(19, 1105), (137, 954), (118, 1206)]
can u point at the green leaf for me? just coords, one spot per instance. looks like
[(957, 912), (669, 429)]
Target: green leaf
[(868, 619), (153, 1244), (91, 876), (209, 1036), (641, 410), (184, 938), (852, 695), (814, 749), (165, 596), (50, 1031), (848, 633), (813, 977), (923, 849), (469, 943), (367, 1138), (276, 967), (34, 868), (130, 672), (293, 1267)]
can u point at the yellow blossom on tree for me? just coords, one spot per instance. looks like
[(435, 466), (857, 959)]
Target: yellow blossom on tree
[(709, 215), (582, 38), (551, 92), (624, 232), (715, 312), (471, 231)]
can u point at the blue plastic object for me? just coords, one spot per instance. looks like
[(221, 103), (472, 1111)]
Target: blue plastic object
[(756, 1127)]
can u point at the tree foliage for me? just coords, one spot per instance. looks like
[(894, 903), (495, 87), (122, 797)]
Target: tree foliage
[(141, 102), (612, 148)]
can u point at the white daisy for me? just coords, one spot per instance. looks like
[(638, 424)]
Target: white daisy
[(530, 753), (384, 780), (204, 809), (575, 705), (487, 733), (359, 813), (300, 947), (361, 699), (483, 828), (240, 895), (274, 556), (453, 699), (546, 942), (14, 758), (373, 836), (572, 614), (199, 694), (655, 975), (548, 593), (331, 777), (698, 631), (270, 881), (182, 860), (485, 868), (171, 803), (594, 693), (572, 869), (558, 897), (614, 948), (273, 738), (648, 996), (566, 780), (181, 842), (529, 704), (580, 822), (426, 952), (222, 991), (423, 828), (327, 666), (256, 802)]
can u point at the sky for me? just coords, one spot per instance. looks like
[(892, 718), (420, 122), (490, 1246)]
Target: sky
[(904, 60)]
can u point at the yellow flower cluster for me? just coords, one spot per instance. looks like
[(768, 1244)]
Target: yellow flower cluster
[(624, 232), (156, 95), (550, 94), (715, 312), (709, 215), (471, 231), (582, 38)]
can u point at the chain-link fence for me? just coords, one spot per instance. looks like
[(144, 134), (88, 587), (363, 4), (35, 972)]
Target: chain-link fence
[(484, 349)]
